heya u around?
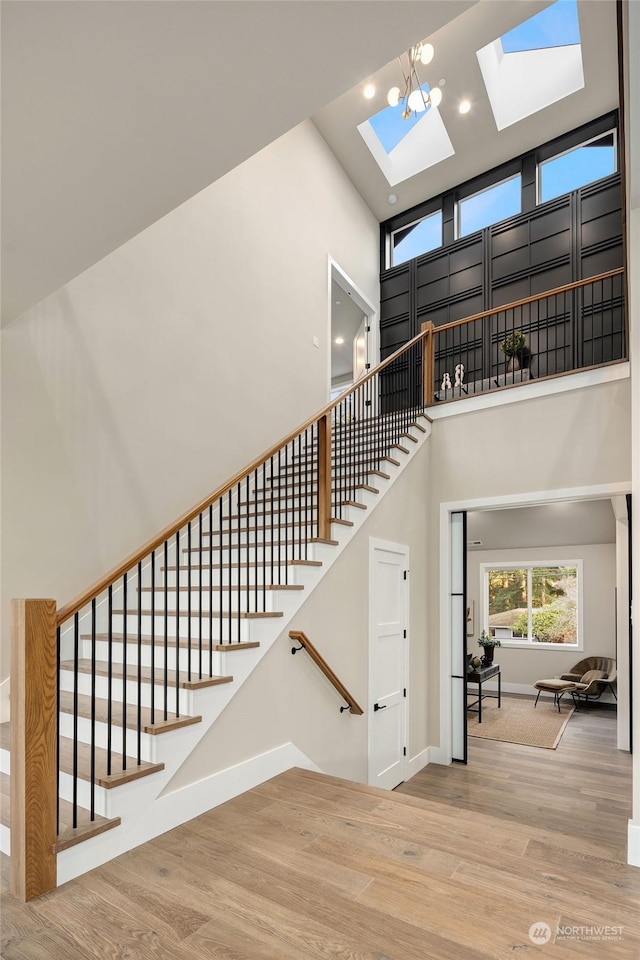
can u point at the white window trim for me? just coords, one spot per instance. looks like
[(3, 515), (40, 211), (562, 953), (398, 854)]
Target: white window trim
[(492, 186), (528, 564), (563, 153)]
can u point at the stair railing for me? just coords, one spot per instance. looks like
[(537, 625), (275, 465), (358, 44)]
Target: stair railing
[(305, 644), (153, 626)]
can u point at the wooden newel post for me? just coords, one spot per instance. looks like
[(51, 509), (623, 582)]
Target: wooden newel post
[(324, 477), (427, 363), (33, 747)]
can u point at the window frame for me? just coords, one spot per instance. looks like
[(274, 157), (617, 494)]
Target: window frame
[(613, 132), (405, 226), (476, 193), (530, 565)]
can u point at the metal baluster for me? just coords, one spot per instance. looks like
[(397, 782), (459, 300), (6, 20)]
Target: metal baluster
[(255, 545), (125, 621), (139, 717), (263, 565), (177, 638), (239, 583), (210, 594), (153, 637), (165, 681), (75, 720), (188, 597)]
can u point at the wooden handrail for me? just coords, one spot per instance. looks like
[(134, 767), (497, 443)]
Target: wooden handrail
[(96, 588), (426, 335), (318, 659), (525, 300)]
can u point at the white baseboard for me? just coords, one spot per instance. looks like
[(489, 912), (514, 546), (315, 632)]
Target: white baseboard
[(439, 755), (633, 844), (417, 763), (180, 806)]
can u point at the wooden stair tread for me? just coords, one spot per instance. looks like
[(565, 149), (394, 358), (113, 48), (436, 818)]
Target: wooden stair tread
[(173, 679), (118, 775), (160, 725), (233, 614), (67, 835), (332, 543), (183, 643)]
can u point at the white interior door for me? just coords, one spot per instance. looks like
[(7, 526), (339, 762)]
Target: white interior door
[(360, 350), (388, 655)]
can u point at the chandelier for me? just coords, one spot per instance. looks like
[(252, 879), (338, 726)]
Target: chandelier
[(413, 98)]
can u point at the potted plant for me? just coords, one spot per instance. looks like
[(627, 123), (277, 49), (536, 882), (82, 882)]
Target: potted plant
[(488, 644), (514, 347)]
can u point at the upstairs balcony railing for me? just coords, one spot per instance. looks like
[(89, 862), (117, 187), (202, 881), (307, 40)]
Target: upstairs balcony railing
[(575, 327)]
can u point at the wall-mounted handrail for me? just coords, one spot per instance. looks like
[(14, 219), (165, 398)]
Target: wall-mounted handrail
[(301, 638)]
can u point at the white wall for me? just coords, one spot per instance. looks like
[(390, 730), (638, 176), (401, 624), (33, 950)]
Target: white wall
[(286, 698), (524, 667), (150, 379)]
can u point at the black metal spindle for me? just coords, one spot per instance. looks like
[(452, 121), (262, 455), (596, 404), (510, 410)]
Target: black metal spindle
[(231, 568), (153, 636), (177, 630), (125, 622), (92, 782), (189, 601), (139, 714), (110, 675), (75, 719), (250, 522), (210, 594), (200, 554), (165, 680)]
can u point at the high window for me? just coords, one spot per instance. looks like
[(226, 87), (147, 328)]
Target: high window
[(497, 202), (575, 168), (533, 604), (416, 238)]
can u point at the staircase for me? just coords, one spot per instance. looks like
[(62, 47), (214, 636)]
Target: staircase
[(150, 656)]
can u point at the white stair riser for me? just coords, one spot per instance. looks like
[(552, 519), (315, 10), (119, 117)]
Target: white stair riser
[(216, 599), (172, 654), (84, 794), (101, 736), (243, 574), (279, 553), (117, 685), (240, 629)]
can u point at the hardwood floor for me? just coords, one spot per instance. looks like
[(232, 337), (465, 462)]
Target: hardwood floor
[(457, 864)]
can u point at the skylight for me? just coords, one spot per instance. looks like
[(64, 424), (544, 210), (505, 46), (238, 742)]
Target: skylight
[(402, 148), (534, 65)]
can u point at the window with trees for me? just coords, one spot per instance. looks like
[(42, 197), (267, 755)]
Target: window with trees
[(533, 603)]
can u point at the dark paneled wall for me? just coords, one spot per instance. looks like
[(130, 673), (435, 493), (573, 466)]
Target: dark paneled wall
[(546, 246)]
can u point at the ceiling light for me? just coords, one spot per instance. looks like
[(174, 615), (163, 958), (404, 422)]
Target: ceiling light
[(426, 53), (338, 302), (369, 91), (339, 340), (464, 106), (413, 98), (392, 198)]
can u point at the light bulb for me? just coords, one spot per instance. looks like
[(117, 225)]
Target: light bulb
[(464, 106), (426, 53), (417, 100), (339, 340), (369, 91), (435, 96), (393, 97)]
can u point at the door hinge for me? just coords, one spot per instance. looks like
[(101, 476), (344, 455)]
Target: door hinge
[(404, 692), (405, 574), (367, 403), (404, 751), (368, 329), (404, 634), (367, 366)]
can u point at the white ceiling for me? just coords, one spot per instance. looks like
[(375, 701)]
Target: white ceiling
[(478, 144), (553, 525), (115, 113)]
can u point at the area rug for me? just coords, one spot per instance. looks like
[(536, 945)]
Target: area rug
[(518, 721)]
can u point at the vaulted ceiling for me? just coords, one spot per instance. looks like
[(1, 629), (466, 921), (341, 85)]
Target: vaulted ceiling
[(114, 113)]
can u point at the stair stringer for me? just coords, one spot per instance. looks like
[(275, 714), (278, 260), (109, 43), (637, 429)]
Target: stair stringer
[(144, 807)]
